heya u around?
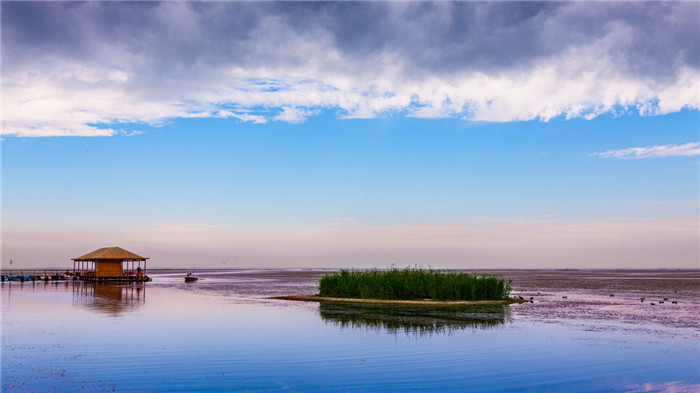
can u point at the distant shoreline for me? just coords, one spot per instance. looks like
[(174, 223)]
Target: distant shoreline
[(321, 269), (313, 298)]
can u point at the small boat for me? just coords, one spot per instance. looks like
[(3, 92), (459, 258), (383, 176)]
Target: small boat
[(189, 277)]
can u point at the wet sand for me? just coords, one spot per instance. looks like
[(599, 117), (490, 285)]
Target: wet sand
[(432, 303), (611, 299)]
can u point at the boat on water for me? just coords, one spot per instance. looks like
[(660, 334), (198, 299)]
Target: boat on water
[(189, 277)]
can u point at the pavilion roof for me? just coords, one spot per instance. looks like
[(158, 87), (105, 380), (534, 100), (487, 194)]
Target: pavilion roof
[(110, 253)]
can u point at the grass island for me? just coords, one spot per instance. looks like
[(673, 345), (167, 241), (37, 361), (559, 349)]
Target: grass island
[(411, 286)]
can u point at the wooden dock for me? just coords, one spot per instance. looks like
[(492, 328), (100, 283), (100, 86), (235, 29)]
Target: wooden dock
[(65, 275)]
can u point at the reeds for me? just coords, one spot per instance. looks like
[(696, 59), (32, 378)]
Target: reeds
[(413, 284)]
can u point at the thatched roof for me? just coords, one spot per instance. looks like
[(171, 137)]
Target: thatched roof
[(110, 253)]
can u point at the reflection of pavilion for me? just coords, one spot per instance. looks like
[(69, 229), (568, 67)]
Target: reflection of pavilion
[(108, 298), (419, 320)]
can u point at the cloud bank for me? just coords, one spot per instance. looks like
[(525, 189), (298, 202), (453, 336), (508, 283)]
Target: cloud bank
[(83, 68), (688, 149)]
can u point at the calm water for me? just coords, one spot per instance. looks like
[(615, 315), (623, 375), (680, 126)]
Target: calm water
[(224, 334)]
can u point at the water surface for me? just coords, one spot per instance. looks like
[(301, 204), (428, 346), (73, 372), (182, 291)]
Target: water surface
[(223, 333)]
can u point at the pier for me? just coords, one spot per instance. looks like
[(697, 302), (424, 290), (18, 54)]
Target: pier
[(105, 265), (34, 275), (22, 275)]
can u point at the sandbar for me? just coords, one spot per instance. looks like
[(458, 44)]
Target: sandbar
[(426, 302)]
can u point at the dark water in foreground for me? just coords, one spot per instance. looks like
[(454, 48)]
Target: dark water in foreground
[(222, 333)]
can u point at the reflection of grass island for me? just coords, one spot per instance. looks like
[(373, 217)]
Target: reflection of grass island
[(411, 286), (413, 320)]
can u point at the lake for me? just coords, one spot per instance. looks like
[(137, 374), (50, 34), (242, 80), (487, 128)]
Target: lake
[(223, 333)]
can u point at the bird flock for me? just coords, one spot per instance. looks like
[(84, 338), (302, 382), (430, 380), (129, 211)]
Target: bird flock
[(532, 299)]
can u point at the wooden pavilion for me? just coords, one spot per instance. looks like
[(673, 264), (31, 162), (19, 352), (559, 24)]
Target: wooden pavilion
[(110, 264)]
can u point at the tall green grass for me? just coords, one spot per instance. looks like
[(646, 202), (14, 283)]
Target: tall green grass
[(413, 284)]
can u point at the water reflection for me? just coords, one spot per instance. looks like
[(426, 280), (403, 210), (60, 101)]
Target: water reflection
[(413, 320), (109, 299)]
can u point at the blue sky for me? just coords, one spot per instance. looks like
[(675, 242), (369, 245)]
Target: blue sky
[(261, 139)]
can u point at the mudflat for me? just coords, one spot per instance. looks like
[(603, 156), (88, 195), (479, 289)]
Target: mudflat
[(568, 296)]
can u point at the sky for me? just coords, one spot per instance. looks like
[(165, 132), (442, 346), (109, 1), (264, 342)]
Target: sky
[(352, 134)]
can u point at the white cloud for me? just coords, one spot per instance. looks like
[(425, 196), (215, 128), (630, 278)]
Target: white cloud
[(688, 149), (45, 107), (225, 114), (294, 115), (284, 70)]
